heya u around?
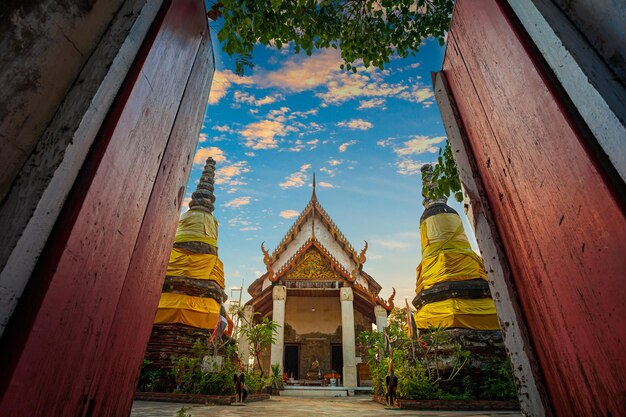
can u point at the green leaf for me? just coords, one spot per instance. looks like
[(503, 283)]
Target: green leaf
[(276, 4)]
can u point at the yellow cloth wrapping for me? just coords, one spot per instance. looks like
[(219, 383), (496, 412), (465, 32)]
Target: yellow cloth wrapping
[(197, 226), (478, 314), (192, 311), (446, 253), (184, 263)]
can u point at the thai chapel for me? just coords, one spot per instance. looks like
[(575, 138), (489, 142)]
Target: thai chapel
[(191, 306), (315, 288)]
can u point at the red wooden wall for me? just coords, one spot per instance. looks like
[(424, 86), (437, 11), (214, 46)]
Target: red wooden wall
[(78, 335), (563, 231)]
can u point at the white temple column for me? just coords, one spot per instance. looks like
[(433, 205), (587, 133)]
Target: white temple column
[(381, 318), (347, 337), (244, 343), (279, 295)]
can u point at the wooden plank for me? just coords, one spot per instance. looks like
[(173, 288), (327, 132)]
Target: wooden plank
[(57, 347), (563, 231), (528, 380), (142, 287), (28, 212)]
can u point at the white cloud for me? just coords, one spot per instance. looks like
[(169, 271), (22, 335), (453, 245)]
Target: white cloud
[(335, 162), (384, 143), (203, 137), (222, 81), (356, 124), (222, 128), (409, 167), (305, 114), (372, 103), (299, 74), (244, 97), (299, 145), (231, 174), (328, 171), (263, 134), (249, 228), (344, 146), (419, 145), (288, 214), (212, 151), (417, 94), (297, 179), (238, 202), (326, 184)]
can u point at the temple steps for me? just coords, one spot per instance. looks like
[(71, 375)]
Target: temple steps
[(309, 391)]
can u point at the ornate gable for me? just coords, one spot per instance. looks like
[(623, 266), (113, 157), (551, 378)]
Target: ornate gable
[(313, 266)]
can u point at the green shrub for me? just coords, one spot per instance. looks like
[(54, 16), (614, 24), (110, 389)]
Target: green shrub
[(255, 382), (420, 368), (499, 383)]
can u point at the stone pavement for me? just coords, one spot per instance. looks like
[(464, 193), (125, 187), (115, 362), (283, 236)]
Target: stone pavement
[(360, 406)]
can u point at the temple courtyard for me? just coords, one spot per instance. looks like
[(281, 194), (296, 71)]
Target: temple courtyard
[(361, 406)]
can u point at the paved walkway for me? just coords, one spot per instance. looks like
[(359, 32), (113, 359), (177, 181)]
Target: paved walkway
[(302, 407)]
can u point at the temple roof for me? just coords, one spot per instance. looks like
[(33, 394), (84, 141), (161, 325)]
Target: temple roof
[(315, 234)]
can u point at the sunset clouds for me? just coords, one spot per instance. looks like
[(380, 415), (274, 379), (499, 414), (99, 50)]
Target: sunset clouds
[(364, 135)]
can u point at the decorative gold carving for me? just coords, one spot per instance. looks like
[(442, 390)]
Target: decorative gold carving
[(314, 266), (359, 265), (267, 260)]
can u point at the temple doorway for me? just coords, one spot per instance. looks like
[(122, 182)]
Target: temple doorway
[(336, 359), (292, 361)]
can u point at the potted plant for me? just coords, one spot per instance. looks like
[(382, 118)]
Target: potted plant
[(276, 379)]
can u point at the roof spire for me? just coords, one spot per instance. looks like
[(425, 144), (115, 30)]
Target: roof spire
[(203, 198), (314, 196)]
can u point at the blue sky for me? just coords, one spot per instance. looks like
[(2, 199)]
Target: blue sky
[(365, 135)]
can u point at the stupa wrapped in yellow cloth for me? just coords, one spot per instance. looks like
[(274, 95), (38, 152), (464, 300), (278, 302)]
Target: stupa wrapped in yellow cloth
[(451, 286), (194, 283), (446, 253), (198, 312)]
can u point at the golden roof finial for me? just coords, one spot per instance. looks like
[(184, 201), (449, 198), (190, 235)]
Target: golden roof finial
[(314, 196)]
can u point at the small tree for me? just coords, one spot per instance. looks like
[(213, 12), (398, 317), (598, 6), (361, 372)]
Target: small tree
[(446, 175), (260, 335)]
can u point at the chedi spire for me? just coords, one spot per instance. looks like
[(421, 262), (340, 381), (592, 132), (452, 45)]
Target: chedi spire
[(203, 198)]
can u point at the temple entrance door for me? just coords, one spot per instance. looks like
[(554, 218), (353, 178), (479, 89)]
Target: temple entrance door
[(292, 361), (336, 360)]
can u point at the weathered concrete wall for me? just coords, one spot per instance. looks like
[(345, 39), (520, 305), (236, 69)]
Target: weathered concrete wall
[(60, 127), (43, 46), (603, 24), (301, 318)]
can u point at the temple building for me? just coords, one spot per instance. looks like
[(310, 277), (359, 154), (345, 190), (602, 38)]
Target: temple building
[(315, 288), (452, 289), (192, 303)]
